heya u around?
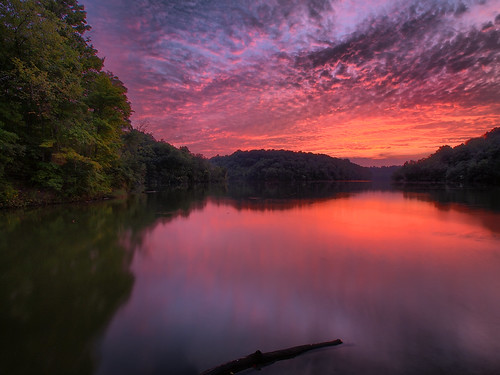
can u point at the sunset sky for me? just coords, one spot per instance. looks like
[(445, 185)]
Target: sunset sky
[(378, 82)]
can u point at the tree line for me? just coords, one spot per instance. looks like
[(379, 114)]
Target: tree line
[(281, 165), (65, 130), (64, 121), (476, 161)]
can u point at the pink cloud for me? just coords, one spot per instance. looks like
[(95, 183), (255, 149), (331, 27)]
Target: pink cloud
[(306, 76)]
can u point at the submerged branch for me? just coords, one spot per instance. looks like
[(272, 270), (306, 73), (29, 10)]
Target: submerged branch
[(259, 359)]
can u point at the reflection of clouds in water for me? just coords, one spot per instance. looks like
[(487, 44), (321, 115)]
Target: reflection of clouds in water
[(473, 235), (409, 299)]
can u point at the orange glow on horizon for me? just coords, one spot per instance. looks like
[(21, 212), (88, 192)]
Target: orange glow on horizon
[(360, 91), (395, 136)]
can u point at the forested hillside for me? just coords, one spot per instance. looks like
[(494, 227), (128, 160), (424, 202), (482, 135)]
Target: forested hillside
[(280, 165), (61, 116), (64, 122), (475, 161), (155, 165)]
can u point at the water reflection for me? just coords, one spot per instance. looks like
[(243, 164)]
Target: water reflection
[(409, 287), (63, 274), (486, 199), (179, 282), (65, 270)]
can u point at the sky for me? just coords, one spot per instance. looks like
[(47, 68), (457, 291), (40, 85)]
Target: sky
[(379, 82)]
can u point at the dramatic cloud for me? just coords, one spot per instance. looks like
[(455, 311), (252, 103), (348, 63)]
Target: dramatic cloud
[(386, 80)]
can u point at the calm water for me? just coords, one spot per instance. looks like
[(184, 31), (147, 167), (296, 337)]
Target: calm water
[(178, 283)]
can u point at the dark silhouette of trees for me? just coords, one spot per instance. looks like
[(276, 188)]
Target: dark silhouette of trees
[(155, 165), (280, 165), (475, 161)]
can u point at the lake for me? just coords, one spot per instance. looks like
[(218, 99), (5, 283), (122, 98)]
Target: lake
[(180, 282)]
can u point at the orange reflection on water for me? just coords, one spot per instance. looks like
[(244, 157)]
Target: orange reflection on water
[(397, 276)]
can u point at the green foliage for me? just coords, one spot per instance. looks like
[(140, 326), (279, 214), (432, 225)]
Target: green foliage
[(280, 165), (61, 117), (475, 161), (84, 176), (64, 123), (158, 165), (9, 151), (49, 175)]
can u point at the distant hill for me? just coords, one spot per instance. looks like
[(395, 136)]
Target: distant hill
[(475, 161), (383, 173), (157, 165), (281, 165)]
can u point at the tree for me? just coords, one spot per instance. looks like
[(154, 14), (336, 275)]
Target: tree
[(475, 161), (281, 165), (55, 102), (64, 122)]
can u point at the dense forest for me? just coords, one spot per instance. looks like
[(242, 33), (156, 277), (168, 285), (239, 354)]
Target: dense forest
[(280, 165), (65, 132), (154, 165), (476, 161)]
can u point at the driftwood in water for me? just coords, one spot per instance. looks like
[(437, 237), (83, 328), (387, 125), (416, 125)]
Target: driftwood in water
[(259, 359)]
